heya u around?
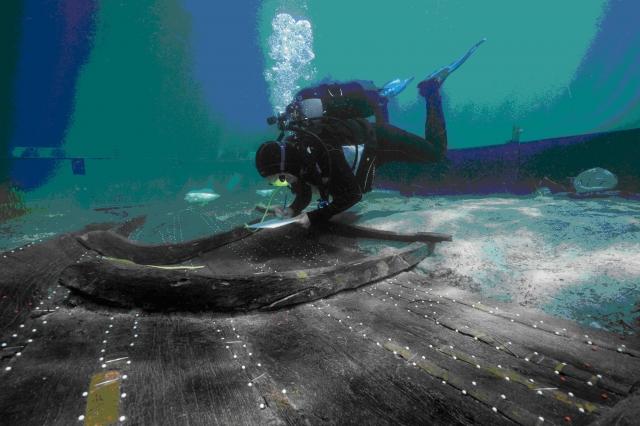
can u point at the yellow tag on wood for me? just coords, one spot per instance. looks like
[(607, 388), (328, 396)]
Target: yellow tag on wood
[(103, 401)]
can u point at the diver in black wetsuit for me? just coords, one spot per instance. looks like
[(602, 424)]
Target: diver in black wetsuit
[(334, 148)]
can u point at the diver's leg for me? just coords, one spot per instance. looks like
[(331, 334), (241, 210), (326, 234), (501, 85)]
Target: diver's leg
[(435, 127), (395, 144)]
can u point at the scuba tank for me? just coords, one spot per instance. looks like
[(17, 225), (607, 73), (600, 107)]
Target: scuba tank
[(344, 100), (352, 99)]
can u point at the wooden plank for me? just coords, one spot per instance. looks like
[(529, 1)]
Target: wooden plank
[(184, 375), (626, 413), (461, 366), (131, 285), (358, 231), (553, 325), (330, 373), (582, 361), (500, 350), (109, 243), (472, 338), (46, 382), (29, 275), (242, 352)]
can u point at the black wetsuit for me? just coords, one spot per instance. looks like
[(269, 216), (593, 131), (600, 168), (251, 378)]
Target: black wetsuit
[(326, 167)]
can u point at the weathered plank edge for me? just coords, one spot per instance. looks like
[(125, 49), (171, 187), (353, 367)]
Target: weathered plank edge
[(128, 284)]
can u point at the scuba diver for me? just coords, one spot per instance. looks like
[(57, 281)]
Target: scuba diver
[(333, 146)]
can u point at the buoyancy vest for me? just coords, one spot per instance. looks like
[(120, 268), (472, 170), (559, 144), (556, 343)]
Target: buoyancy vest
[(355, 137)]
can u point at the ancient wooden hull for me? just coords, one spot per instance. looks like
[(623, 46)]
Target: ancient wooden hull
[(400, 350)]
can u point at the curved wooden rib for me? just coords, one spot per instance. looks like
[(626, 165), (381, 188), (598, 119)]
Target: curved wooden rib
[(128, 285), (109, 243), (364, 232)]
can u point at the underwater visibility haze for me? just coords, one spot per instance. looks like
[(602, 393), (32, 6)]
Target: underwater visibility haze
[(169, 137)]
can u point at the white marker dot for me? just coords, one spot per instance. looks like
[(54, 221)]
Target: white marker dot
[(284, 391), (80, 418), (122, 418), (123, 395), (84, 394)]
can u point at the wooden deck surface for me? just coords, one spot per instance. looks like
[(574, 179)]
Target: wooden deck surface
[(399, 351)]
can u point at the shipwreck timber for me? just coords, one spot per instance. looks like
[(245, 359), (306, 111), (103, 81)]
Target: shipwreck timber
[(397, 350)]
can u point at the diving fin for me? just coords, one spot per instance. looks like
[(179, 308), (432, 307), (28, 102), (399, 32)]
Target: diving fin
[(444, 72), (394, 87)]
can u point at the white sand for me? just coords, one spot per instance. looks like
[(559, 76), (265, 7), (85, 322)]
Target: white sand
[(563, 255)]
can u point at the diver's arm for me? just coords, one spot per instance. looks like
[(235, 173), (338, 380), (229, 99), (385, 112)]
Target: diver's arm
[(303, 196), (343, 188)]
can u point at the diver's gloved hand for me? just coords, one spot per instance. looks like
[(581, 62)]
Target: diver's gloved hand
[(283, 212), (303, 220)]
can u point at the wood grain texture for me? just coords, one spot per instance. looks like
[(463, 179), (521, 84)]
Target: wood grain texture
[(399, 351), (131, 285)]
